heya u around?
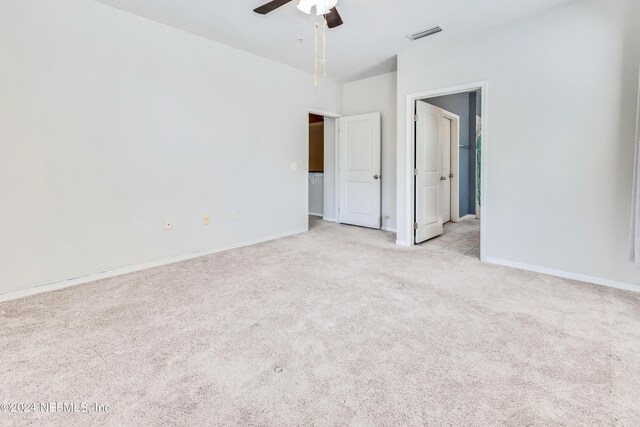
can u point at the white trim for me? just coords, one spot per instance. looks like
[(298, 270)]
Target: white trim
[(326, 218), (39, 289), (323, 113), (466, 217), (454, 165), (336, 170), (306, 166), (565, 275), (316, 214), (411, 99), (403, 243), (391, 229)]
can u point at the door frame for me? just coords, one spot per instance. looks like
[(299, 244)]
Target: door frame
[(336, 142), (411, 100)]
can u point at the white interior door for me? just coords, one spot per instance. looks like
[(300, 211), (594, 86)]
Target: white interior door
[(445, 190), (430, 130), (360, 170)]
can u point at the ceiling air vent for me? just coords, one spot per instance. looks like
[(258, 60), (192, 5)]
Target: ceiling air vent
[(421, 34)]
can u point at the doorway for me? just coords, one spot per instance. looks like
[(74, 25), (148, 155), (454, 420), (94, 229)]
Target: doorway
[(316, 165), (447, 171), (322, 128), (344, 169)]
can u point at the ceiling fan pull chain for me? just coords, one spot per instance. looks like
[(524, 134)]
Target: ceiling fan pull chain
[(324, 48), (315, 59)]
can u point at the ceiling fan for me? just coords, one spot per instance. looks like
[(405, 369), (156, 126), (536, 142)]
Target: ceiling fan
[(322, 7)]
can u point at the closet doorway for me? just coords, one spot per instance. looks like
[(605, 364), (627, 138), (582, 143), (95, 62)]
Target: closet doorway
[(316, 165), (321, 169)]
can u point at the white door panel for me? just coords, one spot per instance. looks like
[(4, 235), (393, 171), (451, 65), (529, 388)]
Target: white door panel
[(360, 170), (429, 146), (445, 191)]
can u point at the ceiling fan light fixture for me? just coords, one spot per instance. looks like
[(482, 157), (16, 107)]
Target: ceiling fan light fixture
[(305, 6), (323, 7)]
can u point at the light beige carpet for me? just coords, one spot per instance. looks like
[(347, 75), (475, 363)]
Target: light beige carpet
[(337, 326)]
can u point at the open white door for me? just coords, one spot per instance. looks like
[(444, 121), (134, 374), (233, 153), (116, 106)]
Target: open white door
[(430, 133), (445, 184), (360, 170)]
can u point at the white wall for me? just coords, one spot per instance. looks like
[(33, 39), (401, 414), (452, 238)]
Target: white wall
[(110, 123), (561, 104), (378, 94)]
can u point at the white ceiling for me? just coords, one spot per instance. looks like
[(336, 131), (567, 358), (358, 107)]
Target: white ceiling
[(366, 45)]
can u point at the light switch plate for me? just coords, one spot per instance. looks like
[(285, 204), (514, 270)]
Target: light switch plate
[(206, 219), (293, 166)]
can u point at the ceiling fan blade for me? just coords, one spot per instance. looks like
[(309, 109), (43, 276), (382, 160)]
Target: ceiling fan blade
[(333, 18), (271, 6)]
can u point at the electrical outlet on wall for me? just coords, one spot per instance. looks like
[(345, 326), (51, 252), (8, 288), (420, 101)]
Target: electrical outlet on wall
[(234, 215), (389, 206), (168, 224), (206, 219)]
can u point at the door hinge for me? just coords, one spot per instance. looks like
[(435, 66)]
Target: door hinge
[(415, 172), (450, 175), (415, 117), (415, 225)]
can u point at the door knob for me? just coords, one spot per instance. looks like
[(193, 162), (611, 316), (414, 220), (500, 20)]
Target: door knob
[(376, 176), (443, 178)]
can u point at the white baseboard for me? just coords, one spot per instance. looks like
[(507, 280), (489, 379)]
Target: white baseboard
[(326, 218), (39, 289), (565, 274), (470, 216), (393, 230), (316, 214), (403, 243)]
